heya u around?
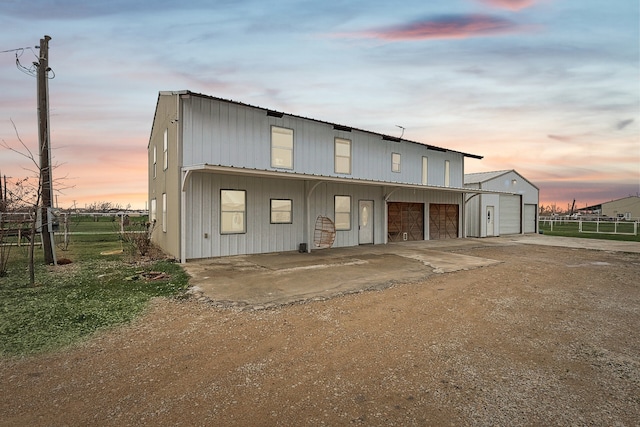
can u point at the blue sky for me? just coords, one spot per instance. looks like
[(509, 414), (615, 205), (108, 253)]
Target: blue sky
[(550, 88)]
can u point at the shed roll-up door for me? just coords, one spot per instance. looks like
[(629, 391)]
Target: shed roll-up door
[(530, 218), (509, 214)]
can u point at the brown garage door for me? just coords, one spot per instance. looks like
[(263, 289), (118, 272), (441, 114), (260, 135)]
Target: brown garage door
[(406, 221), (443, 222)]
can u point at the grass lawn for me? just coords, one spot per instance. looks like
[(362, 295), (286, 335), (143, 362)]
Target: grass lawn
[(606, 229), (72, 301)]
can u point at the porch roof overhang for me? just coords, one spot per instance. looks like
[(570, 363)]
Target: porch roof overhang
[(264, 173)]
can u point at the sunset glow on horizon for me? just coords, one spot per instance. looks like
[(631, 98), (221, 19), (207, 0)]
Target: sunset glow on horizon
[(549, 88)]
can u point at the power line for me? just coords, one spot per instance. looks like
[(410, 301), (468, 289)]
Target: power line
[(18, 49)]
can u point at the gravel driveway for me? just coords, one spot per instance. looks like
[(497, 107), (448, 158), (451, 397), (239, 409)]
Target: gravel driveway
[(549, 336)]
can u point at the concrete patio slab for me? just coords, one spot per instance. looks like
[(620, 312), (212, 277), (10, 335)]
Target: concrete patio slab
[(267, 280)]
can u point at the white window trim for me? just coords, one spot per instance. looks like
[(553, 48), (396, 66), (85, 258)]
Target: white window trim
[(396, 166), (447, 173), (425, 170), (273, 146), (336, 156), (244, 213), (153, 212), (272, 211), (336, 213), (165, 149), (155, 161), (164, 212)]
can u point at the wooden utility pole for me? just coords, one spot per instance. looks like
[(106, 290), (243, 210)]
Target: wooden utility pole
[(46, 185)]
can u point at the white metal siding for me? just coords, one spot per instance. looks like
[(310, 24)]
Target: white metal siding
[(203, 206), (203, 238), (530, 223), (509, 219), (472, 219), (227, 134)]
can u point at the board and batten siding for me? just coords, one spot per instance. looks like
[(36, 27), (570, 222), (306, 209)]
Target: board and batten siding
[(227, 134), (473, 214), (166, 231), (203, 204)]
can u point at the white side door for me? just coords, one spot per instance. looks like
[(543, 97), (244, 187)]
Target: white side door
[(365, 222), (490, 221)]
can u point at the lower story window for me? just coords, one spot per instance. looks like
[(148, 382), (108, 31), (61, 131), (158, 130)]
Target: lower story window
[(343, 212), (281, 211), (164, 212), (233, 208), (153, 212)]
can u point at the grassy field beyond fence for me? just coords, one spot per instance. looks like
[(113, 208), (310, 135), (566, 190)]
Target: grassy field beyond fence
[(105, 285), (605, 229)]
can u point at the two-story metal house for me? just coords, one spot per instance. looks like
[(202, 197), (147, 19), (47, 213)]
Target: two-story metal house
[(229, 178)]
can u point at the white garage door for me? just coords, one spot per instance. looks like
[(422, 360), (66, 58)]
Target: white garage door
[(530, 218), (509, 214)]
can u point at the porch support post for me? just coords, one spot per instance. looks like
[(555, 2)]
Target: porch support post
[(307, 207), (186, 175)]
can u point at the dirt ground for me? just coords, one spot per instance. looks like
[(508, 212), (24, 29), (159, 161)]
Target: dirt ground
[(550, 336)]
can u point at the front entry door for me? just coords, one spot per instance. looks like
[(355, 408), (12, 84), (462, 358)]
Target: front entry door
[(365, 222), (490, 221)]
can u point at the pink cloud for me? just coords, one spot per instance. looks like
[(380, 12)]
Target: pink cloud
[(444, 27), (509, 4)]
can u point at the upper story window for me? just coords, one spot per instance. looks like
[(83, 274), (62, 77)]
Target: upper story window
[(395, 162), (281, 148), (155, 161), (233, 208), (425, 170), (165, 149), (447, 173), (342, 156)]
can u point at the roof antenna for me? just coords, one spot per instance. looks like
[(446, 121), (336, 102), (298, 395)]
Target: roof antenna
[(401, 127)]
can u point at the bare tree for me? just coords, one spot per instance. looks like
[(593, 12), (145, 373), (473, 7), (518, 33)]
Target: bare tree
[(27, 194)]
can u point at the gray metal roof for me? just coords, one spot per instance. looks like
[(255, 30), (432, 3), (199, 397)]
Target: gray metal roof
[(476, 178), (480, 177), (335, 125)]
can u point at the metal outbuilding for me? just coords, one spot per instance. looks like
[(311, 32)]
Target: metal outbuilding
[(514, 211), (627, 208)]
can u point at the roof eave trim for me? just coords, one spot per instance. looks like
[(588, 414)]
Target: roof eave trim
[(207, 168)]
